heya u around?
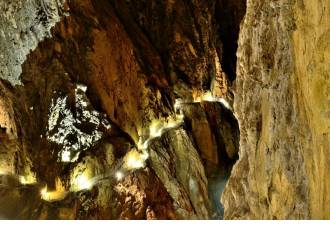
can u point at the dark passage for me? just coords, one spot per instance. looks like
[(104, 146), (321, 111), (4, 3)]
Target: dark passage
[(229, 15)]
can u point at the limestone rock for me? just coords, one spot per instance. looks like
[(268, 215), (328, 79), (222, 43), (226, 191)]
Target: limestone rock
[(136, 96), (23, 25), (281, 101), (181, 171)]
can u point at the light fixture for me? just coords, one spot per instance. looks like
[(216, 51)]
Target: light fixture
[(81, 182), (155, 129), (134, 160), (29, 179), (119, 175), (43, 192), (66, 156), (59, 194), (177, 105), (51, 196), (225, 103), (143, 145), (3, 172), (208, 97)]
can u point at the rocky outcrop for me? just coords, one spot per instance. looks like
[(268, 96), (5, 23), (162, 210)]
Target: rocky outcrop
[(23, 25), (123, 109), (90, 126), (282, 104), (182, 174), (218, 147)]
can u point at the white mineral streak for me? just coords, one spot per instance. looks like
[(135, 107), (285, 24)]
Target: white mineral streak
[(23, 25), (64, 125)]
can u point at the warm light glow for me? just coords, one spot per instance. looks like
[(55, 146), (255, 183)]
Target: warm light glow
[(66, 156), (29, 179), (59, 194), (225, 103), (143, 145), (144, 155), (82, 87), (119, 175), (205, 97), (4, 172), (208, 97), (155, 129), (134, 160), (43, 192), (81, 182), (173, 123), (180, 117), (53, 195), (177, 105)]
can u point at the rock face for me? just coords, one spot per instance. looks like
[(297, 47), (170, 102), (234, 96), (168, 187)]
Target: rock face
[(124, 109), (90, 122), (23, 25), (282, 104)]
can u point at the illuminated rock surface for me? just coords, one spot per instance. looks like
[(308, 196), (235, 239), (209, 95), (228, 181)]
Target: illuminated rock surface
[(23, 24), (124, 109), (282, 104)]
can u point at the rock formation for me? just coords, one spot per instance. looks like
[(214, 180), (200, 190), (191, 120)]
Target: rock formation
[(282, 104), (113, 109)]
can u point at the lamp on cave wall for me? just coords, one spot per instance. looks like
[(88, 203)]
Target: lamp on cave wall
[(4, 172), (204, 97), (57, 195), (81, 182), (51, 196), (155, 129), (208, 97), (158, 127), (66, 156), (28, 179), (119, 175), (134, 160)]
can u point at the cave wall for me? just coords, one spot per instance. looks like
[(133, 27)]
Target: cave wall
[(282, 104), (81, 86), (100, 76)]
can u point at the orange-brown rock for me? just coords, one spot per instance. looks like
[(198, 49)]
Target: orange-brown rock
[(80, 91)]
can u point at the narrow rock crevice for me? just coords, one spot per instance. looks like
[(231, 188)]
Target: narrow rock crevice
[(229, 15)]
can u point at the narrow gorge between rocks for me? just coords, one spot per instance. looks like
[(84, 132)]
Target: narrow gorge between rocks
[(168, 110)]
